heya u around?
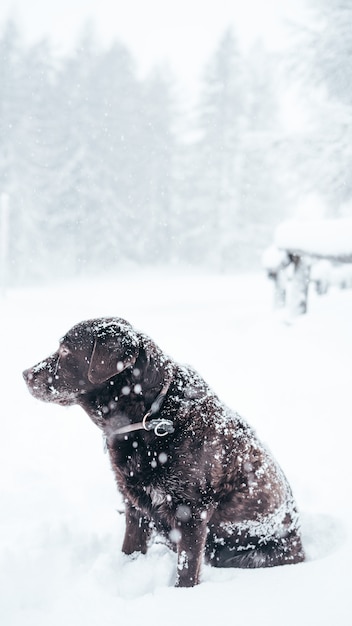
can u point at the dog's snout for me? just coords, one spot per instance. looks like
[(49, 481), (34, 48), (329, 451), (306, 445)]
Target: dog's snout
[(27, 375)]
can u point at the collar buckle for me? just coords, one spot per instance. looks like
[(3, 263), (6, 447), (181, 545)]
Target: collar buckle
[(161, 427)]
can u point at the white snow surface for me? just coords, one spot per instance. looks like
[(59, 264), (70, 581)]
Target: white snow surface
[(273, 258), (322, 237), (60, 559)]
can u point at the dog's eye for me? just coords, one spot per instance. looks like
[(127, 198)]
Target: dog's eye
[(64, 351)]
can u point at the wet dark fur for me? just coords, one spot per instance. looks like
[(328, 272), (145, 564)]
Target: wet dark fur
[(210, 487)]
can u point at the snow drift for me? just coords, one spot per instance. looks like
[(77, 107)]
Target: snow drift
[(61, 532), (316, 237)]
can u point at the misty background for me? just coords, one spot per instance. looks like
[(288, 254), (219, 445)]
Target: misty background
[(102, 167)]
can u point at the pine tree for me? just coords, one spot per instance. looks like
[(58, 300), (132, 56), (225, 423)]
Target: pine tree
[(329, 46), (156, 167), (263, 196), (218, 153), (321, 157), (115, 101), (10, 103), (78, 197)]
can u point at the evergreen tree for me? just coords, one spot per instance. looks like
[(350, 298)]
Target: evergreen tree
[(78, 200), (218, 153), (37, 231), (10, 103), (263, 196), (116, 95), (158, 148), (329, 44), (321, 156)]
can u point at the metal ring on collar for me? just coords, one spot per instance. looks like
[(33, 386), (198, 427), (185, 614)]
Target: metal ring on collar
[(161, 424)]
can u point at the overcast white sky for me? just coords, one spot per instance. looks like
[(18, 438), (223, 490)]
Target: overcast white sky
[(182, 32)]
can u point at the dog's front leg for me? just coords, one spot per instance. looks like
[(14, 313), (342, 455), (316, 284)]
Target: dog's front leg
[(190, 550), (137, 531)]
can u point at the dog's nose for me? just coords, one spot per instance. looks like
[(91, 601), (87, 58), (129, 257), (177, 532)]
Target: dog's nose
[(27, 375)]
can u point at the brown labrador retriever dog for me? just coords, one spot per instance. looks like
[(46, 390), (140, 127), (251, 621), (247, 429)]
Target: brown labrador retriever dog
[(187, 466)]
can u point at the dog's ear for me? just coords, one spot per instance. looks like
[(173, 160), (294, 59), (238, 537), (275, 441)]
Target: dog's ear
[(115, 348)]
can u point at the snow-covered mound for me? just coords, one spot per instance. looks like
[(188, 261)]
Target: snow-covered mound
[(317, 237), (61, 532), (273, 259)]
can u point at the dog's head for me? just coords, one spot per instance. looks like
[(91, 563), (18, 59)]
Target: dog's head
[(90, 354)]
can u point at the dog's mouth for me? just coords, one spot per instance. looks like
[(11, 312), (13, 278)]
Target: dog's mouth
[(41, 385), (30, 382), (39, 388)]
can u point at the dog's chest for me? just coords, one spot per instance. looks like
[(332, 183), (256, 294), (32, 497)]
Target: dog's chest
[(143, 473), (156, 494)]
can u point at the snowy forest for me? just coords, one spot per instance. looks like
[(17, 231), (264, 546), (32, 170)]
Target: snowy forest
[(103, 168)]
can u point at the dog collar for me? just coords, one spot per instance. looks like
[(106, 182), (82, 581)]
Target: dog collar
[(160, 426)]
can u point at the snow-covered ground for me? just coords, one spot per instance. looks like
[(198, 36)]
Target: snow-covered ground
[(60, 560)]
